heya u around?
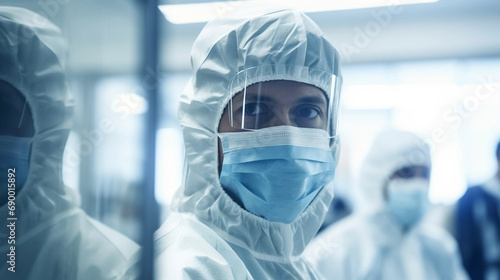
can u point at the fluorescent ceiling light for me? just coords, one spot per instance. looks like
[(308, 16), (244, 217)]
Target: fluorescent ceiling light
[(203, 12)]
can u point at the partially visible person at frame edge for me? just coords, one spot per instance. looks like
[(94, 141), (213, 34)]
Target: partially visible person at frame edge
[(50, 236)]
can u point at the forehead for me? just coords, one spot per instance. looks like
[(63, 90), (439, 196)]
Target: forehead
[(281, 91)]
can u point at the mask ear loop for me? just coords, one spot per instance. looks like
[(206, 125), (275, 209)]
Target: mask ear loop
[(22, 114)]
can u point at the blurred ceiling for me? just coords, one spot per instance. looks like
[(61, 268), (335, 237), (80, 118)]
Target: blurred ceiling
[(104, 35)]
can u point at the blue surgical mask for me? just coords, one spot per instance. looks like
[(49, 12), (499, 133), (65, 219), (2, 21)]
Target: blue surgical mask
[(276, 172), (407, 200), (14, 155)]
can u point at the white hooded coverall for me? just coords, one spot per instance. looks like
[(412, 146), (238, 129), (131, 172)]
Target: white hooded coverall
[(371, 244), (55, 239), (209, 236)]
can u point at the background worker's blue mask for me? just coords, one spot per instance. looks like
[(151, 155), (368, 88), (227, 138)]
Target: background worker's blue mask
[(407, 200), (276, 172), (14, 153)]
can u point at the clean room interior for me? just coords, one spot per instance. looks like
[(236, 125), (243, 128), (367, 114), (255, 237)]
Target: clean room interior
[(430, 68)]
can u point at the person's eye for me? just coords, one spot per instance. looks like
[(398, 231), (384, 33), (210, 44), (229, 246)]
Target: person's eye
[(307, 112), (406, 172), (255, 109)]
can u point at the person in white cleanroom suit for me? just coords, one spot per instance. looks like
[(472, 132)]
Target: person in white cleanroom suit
[(259, 122), (52, 237), (385, 240)]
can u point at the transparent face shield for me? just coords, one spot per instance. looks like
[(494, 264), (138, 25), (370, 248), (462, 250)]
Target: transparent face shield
[(311, 104)]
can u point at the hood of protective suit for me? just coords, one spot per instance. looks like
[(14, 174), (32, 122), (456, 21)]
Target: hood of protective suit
[(391, 150), (274, 38), (32, 53), (55, 239)]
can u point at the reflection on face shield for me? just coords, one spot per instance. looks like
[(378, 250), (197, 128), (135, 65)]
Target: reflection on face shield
[(285, 102), (14, 112), (279, 103)]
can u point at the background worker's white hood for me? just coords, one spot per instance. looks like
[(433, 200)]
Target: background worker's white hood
[(280, 40), (391, 150)]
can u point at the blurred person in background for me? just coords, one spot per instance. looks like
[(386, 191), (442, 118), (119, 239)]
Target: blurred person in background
[(259, 118), (49, 236), (477, 228), (386, 240)]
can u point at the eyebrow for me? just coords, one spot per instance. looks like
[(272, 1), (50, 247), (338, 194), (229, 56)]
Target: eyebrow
[(253, 97), (312, 99)]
